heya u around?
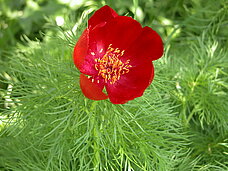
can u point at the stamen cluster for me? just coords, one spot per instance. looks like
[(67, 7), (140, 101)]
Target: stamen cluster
[(110, 67)]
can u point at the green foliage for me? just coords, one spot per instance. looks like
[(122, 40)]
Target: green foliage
[(180, 123), (23, 17), (202, 86)]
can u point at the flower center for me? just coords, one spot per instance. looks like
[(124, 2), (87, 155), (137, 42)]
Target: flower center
[(110, 67)]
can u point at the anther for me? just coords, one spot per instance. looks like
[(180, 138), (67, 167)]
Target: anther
[(101, 50)]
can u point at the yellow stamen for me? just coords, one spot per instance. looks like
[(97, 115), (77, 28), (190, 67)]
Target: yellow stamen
[(110, 67)]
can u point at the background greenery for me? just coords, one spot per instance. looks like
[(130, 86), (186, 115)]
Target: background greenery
[(180, 123)]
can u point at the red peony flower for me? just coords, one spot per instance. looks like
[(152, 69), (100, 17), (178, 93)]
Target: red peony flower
[(114, 52)]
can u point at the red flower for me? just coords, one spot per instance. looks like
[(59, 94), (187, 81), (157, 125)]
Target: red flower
[(116, 53)]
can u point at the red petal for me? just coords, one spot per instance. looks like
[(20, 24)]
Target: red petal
[(90, 89), (104, 14), (81, 48), (132, 84), (121, 32), (96, 43), (147, 45)]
